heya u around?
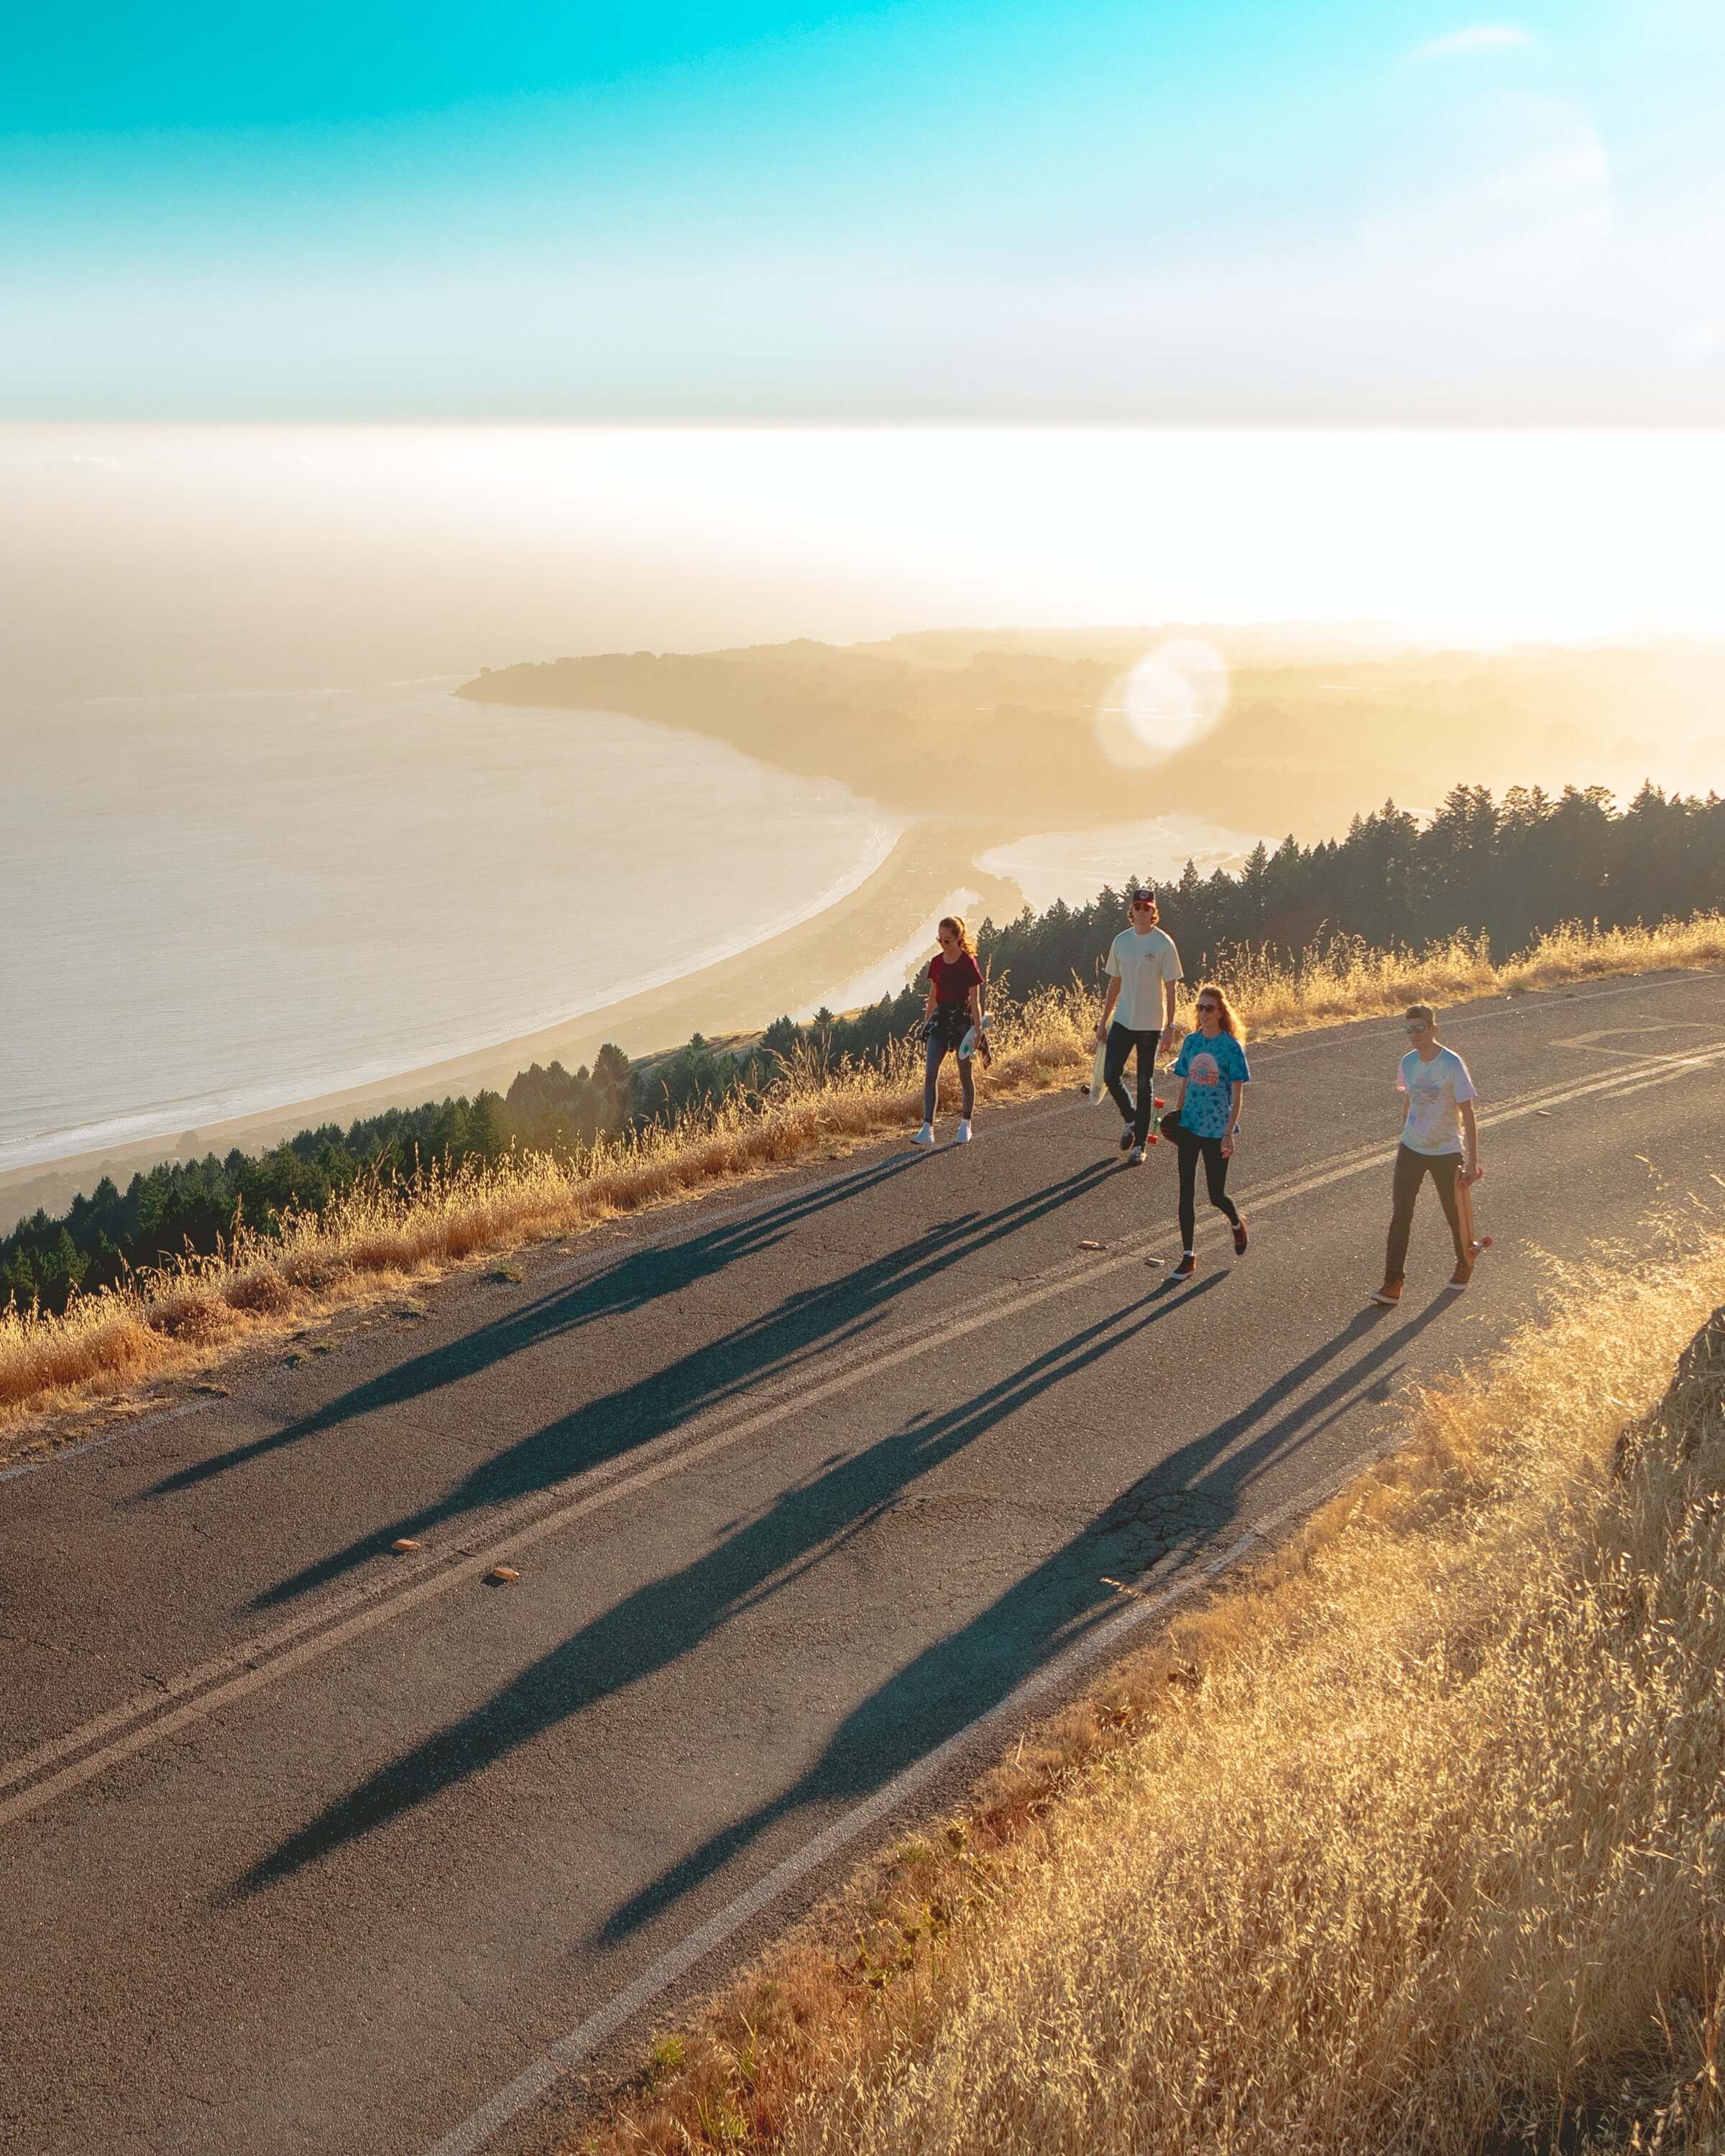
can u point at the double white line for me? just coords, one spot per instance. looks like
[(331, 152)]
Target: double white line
[(61, 1764)]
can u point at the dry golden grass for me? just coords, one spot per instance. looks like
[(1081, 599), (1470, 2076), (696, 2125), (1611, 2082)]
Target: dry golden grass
[(179, 1318), (1413, 1842), (183, 1319)]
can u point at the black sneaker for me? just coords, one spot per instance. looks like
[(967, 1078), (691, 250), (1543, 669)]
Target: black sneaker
[(1185, 1268), (1128, 1138)]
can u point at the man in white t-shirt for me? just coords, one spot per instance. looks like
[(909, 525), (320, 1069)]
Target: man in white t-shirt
[(1439, 1138), (1143, 975)]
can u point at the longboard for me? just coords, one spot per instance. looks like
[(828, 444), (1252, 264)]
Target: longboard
[(1464, 1205)]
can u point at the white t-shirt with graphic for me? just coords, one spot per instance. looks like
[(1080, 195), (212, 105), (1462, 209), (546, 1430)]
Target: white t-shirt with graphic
[(1140, 964), (1435, 1092)]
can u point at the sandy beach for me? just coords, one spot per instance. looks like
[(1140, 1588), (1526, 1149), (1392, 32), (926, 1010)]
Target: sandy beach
[(738, 994)]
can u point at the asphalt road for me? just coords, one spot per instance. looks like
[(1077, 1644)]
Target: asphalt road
[(307, 1845)]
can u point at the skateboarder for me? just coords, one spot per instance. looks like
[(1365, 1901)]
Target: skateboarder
[(954, 1006), (1439, 1138), (1143, 975), (1213, 1074)]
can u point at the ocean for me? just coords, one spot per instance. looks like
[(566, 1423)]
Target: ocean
[(221, 903)]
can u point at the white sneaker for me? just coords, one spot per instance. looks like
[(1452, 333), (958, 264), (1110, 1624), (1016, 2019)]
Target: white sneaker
[(962, 1135), (925, 1135)]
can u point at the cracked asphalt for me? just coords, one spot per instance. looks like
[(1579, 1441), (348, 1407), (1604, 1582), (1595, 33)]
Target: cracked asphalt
[(312, 1846)]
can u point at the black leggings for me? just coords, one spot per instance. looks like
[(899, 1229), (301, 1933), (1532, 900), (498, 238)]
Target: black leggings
[(1411, 1170), (1215, 1176)]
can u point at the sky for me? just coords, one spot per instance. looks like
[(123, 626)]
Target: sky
[(1260, 214)]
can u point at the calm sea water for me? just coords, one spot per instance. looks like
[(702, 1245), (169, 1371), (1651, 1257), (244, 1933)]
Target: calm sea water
[(222, 903)]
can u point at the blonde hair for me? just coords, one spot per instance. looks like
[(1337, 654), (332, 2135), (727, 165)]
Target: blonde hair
[(955, 921), (1227, 1017)]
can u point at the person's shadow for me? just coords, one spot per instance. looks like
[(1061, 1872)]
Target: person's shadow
[(1189, 1498), (622, 1287), (960, 1678), (802, 1328)]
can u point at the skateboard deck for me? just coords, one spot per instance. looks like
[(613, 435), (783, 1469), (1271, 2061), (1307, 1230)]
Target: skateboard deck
[(1463, 1202)]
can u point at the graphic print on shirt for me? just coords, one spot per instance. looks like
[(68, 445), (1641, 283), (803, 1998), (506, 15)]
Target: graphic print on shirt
[(1436, 1091), (1210, 1069)]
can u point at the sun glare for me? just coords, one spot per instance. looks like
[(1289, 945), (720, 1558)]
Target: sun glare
[(1174, 695)]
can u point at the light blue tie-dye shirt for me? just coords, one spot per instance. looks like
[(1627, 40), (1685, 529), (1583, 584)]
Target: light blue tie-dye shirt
[(1210, 1068)]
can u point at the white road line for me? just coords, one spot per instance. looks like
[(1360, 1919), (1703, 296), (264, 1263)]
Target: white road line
[(536, 2079), (261, 1661)]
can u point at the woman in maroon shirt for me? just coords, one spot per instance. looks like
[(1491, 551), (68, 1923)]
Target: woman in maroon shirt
[(954, 1005)]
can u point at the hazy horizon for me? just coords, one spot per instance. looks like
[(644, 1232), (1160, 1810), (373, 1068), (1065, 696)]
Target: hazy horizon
[(146, 559)]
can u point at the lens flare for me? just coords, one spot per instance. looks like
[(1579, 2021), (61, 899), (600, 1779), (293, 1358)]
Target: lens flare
[(1172, 698)]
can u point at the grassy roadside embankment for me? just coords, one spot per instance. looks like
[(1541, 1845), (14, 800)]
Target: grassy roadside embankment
[(182, 1319), (1413, 1840)]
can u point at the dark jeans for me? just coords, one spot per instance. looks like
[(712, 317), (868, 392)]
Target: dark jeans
[(1411, 1170), (1122, 1041), (938, 1049), (1215, 1176)]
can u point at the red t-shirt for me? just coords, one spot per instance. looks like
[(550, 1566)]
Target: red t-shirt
[(954, 978)]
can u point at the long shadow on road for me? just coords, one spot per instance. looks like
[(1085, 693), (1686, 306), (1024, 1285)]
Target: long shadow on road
[(1193, 1496), (671, 1616), (629, 1284), (1190, 1497), (804, 1327)]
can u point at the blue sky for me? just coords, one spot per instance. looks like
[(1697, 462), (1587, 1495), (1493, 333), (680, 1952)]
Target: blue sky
[(1321, 212)]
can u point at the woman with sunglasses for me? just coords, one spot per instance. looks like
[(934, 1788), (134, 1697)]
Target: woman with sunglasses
[(954, 1006), (1214, 1075), (1143, 976)]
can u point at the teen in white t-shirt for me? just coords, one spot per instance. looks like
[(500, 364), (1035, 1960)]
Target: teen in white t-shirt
[(1439, 1138), (1143, 975)]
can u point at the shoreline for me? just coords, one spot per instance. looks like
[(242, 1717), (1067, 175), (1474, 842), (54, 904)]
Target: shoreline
[(740, 994)]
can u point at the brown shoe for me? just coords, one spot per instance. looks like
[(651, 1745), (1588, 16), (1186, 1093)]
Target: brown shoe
[(1390, 1293), (1462, 1274)]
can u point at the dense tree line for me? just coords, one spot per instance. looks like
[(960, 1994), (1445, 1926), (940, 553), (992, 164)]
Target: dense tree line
[(192, 1205), (1509, 867)]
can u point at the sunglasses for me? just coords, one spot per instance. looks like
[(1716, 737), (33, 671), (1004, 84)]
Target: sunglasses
[(1143, 905), (1202, 1007)]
